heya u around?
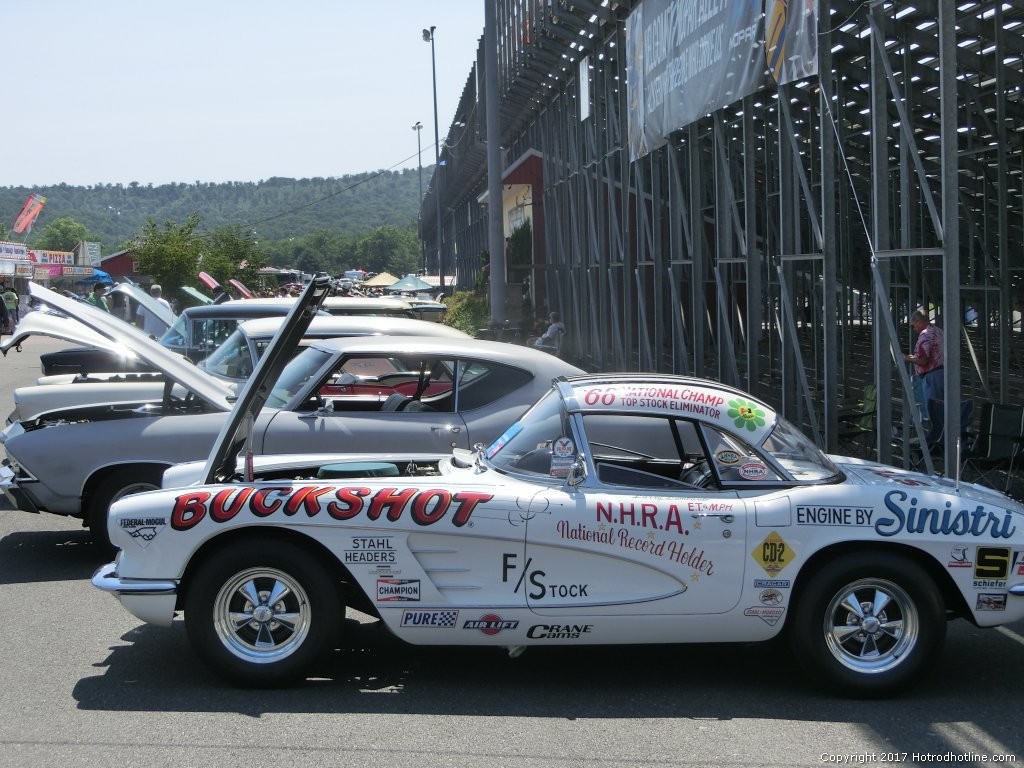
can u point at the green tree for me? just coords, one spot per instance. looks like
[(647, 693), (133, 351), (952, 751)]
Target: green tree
[(233, 252), (171, 254), (389, 249), (62, 234)]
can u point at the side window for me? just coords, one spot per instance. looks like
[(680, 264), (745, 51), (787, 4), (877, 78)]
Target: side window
[(639, 451), (481, 383)]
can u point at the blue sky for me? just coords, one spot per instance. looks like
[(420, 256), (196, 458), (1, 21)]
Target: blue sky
[(159, 91)]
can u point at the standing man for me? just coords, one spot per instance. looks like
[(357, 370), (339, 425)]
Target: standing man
[(97, 299), (928, 357), (146, 320), (11, 302)]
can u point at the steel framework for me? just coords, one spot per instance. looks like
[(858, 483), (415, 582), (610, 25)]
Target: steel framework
[(780, 243)]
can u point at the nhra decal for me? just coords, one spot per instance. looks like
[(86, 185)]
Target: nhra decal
[(773, 554), (989, 601), (398, 590), (143, 529), (947, 521), (370, 549), (425, 506), (647, 514), (541, 587), (834, 515), (428, 619), (491, 624), (558, 631), (991, 567)]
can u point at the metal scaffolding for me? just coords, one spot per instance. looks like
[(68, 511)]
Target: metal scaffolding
[(780, 243)]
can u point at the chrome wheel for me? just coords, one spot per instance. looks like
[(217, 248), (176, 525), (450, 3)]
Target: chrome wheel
[(871, 626), (261, 615)]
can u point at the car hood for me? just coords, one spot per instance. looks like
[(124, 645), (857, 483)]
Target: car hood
[(139, 296), (41, 323), (110, 332)]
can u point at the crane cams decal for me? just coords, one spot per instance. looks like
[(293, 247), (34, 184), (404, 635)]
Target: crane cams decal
[(143, 529), (424, 506)]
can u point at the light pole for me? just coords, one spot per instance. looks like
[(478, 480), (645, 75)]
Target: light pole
[(428, 37), (419, 212)]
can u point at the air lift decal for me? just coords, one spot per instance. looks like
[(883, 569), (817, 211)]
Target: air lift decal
[(424, 506)]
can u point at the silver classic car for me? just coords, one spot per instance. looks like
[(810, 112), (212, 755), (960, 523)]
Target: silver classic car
[(383, 393), (629, 508)]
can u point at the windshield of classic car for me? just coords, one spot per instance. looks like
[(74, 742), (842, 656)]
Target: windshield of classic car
[(798, 455), (296, 375), (526, 446), (232, 359)]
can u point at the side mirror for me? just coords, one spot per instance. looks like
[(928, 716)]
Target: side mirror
[(577, 473)]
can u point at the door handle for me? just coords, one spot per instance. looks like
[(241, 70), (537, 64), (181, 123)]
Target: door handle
[(448, 428), (725, 517)]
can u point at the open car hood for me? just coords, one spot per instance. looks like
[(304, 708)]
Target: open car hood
[(236, 434), (110, 332), (139, 296)]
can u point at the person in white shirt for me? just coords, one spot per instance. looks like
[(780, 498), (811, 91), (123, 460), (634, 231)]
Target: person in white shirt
[(146, 320)]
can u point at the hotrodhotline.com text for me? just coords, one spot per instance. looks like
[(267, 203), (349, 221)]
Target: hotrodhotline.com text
[(915, 758)]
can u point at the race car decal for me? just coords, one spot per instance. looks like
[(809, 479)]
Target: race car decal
[(536, 581), (491, 624), (143, 530), (947, 522), (672, 549), (834, 515), (558, 631), (773, 554), (426, 507), (430, 619)]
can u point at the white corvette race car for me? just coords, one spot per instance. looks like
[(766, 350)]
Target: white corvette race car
[(622, 508)]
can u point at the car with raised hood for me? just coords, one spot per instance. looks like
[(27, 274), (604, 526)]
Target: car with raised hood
[(232, 361), (385, 393), (627, 508)]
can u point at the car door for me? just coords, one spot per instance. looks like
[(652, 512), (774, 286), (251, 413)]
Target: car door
[(639, 535)]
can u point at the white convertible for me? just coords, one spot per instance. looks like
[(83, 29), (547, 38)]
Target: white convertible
[(622, 508)]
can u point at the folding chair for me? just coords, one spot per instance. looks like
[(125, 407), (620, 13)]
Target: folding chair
[(936, 437), (859, 422), (998, 443)]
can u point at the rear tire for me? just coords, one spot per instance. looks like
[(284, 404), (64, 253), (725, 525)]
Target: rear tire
[(116, 485), (260, 614), (868, 624)]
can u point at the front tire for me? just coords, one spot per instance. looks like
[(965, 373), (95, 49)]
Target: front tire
[(261, 613), (868, 624)]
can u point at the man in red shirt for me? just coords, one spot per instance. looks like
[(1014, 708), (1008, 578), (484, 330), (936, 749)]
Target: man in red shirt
[(928, 356)]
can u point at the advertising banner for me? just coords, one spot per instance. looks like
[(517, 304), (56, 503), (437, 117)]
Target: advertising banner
[(688, 58), (13, 251)]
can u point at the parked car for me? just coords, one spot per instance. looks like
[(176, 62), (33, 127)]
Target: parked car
[(232, 361), (622, 508), (342, 395)]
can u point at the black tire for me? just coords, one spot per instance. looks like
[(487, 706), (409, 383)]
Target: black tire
[(868, 624), (260, 614), (119, 483)]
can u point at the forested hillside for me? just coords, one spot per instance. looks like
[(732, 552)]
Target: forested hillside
[(278, 209)]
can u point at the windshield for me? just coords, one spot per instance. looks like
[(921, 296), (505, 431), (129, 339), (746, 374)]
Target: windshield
[(797, 454), (296, 375), (539, 442), (232, 359)]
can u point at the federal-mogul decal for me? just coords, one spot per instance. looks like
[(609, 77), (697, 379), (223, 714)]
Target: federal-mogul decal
[(831, 514), (398, 590), (768, 614), (424, 506), (143, 529), (991, 567), (946, 521), (370, 549), (540, 587), (430, 619)]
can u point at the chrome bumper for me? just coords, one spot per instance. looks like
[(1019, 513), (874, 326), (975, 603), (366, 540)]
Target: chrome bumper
[(11, 495), (106, 578)]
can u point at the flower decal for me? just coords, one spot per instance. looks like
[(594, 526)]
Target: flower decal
[(746, 414)]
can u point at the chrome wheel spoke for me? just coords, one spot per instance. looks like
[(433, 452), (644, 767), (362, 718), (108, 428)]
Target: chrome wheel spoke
[(278, 592), (239, 619), (852, 604), (844, 632), (249, 592), (881, 600), (288, 619)]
